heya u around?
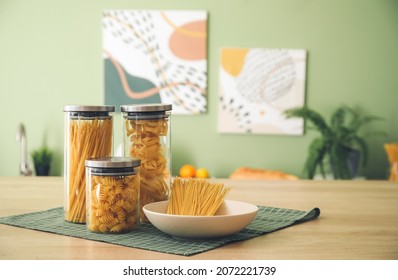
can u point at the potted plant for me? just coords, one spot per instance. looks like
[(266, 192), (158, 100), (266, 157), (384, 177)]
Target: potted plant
[(42, 161), (339, 142)]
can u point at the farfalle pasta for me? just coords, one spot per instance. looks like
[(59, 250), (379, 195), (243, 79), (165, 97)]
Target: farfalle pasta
[(147, 137), (113, 203)]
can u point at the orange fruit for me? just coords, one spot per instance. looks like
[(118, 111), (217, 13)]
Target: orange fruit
[(202, 173), (187, 171)]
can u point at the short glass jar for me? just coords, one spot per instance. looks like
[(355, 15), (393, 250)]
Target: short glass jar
[(113, 191), (88, 134), (146, 136)]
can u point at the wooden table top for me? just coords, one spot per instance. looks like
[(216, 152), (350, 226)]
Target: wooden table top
[(359, 220)]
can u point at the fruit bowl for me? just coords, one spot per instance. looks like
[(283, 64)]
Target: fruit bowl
[(231, 217)]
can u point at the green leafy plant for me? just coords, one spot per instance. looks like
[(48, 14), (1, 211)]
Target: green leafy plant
[(339, 139), (42, 158)]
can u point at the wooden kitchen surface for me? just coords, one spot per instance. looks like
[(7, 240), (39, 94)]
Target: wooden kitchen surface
[(359, 220)]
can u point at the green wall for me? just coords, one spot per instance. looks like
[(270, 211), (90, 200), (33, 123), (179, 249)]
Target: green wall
[(50, 56)]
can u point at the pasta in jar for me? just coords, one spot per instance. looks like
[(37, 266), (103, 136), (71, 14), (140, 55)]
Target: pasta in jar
[(147, 137), (113, 190), (88, 134)]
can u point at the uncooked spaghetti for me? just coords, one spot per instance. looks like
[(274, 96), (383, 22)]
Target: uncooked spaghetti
[(196, 197), (87, 139)]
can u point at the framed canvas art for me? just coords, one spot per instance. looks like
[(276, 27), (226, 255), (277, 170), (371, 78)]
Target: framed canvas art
[(256, 85), (155, 56)]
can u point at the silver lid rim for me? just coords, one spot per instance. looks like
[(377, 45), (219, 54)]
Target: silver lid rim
[(88, 108), (155, 107), (113, 162)]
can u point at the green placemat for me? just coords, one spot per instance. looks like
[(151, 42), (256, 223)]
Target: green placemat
[(148, 237)]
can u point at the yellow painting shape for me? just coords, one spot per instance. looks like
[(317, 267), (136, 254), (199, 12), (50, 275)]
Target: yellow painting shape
[(232, 60)]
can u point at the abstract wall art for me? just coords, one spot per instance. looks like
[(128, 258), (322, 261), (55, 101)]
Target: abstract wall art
[(256, 85), (155, 56)]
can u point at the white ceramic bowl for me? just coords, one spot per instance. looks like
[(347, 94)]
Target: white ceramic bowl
[(232, 217)]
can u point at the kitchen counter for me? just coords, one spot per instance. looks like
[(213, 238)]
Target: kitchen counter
[(359, 220)]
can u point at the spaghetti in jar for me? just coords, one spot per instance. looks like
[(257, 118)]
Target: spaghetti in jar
[(113, 189), (146, 136), (88, 134)]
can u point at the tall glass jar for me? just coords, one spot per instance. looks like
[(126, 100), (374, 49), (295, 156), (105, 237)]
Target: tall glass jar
[(146, 136), (88, 134), (113, 190)]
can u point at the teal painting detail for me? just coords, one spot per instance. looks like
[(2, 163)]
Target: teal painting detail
[(114, 92)]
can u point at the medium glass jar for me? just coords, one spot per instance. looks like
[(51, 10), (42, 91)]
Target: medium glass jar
[(113, 190), (146, 136), (88, 134)]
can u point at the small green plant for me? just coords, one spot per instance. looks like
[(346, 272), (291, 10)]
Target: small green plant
[(338, 140), (42, 158)]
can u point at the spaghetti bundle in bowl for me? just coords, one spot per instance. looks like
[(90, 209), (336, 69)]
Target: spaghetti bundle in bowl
[(197, 209), (196, 197)]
